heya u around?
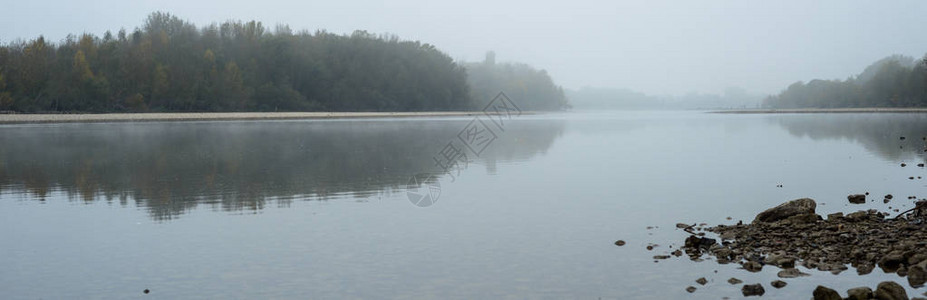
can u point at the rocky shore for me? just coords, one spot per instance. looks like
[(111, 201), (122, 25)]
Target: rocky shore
[(792, 234)]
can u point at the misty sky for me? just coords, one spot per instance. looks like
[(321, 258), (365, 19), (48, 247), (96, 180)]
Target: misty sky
[(657, 47)]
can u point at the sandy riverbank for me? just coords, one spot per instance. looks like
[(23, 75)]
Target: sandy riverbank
[(150, 117), (825, 110)]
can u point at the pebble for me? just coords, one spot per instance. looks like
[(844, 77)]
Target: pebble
[(701, 281), (791, 273), (619, 243), (778, 284)]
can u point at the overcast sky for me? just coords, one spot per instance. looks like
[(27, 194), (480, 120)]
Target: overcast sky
[(656, 47)]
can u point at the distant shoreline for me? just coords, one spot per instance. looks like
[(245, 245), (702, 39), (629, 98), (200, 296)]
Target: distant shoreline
[(823, 110), (242, 116)]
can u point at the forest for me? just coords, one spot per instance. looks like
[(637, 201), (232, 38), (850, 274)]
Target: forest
[(894, 81), (170, 65)]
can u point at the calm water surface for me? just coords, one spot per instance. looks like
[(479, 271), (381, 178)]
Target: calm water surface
[(320, 208)]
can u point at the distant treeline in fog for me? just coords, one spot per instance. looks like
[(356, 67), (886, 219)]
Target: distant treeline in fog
[(624, 99), (170, 65), (530, 88), (894, 81)]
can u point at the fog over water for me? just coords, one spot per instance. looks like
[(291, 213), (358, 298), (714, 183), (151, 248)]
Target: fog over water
[(285, 209)]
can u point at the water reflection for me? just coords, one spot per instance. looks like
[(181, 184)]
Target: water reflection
[(170, 168), (878, 133)]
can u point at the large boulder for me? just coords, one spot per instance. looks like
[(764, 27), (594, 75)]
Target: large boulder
[(797, 207)]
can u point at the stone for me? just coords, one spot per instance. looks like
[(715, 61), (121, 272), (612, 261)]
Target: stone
[(791, 273), (752, 266), (823, 293), (787, 263), (752, 290), (690, 289), (860, 293), (699, 242), (661, 256), (619, 243), (889, 290), (892, 261), (864, 269), (734, 281), (916, 276), (785, 210), (778, 284), (857, 198), (701, 281)]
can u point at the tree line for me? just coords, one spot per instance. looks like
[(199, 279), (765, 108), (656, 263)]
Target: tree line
[(170, 65), (894, 81)]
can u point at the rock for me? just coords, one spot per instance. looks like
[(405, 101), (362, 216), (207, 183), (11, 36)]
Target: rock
[(835, 216), (889, 196), (892, 261), (823, 293), (860, 293), (920, 165), (752, 290), (734, 281), (787, 263), (785, 210), (682, 225), (778, 284), (857, 216), (857, 198), (889, 290), (791, 273), (752, 266), (690, 289), (661, 256), (864, 269), (699, 242), (916, 276), (619, 243), (701, 281)]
